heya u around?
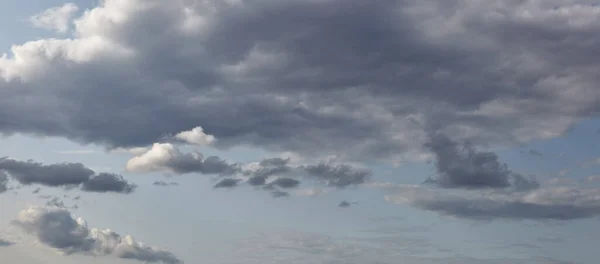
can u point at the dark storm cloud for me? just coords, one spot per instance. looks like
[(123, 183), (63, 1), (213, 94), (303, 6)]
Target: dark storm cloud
[(541, 204), (462, 166), (362, 82), (227, 183), (108, 182), (64, 175), (57, 228)]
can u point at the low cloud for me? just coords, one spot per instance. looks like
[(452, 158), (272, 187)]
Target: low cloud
[(227, 183), (285, 183), (64, 175), (108, 182), (327, 173), (57, 228), (563, 203), (54, 175), (462, 166), (279, 194)]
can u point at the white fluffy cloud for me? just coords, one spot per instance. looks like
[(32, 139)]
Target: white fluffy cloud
[(166, 157), (57, 228), (55, 18), (195, 136)]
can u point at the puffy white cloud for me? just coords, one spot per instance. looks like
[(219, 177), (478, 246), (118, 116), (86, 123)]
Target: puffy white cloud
[(195, 136), (56, 18), (168, 158), (57, 228)]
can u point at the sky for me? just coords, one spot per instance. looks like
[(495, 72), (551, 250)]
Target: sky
[(300, 131)]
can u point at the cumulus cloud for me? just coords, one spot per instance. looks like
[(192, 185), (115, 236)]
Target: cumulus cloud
[(562, 203), (462, 166), (165, 157), (108, 182), (57, 228), (251, 76), (195, 136), (55, 18), (64, 175)]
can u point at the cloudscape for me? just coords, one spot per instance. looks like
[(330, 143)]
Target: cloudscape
[(299, 131)]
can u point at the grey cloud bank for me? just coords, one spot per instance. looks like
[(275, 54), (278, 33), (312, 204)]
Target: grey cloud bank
[(251, 76), (562, 203)]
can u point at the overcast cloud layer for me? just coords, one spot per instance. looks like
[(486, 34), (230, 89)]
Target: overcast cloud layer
[(367, 82)]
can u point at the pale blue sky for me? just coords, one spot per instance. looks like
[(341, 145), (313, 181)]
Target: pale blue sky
[(201, 224)]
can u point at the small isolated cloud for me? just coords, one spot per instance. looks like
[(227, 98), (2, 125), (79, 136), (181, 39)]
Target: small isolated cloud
[(462, 166), (164, 183), (57, 228), (64, 175), (55, 18), (227, 183), (310, 192), (279, 194), (344, 204), (108, 182), (196, 136), (534, 152), (165, 157), (564, 203)]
